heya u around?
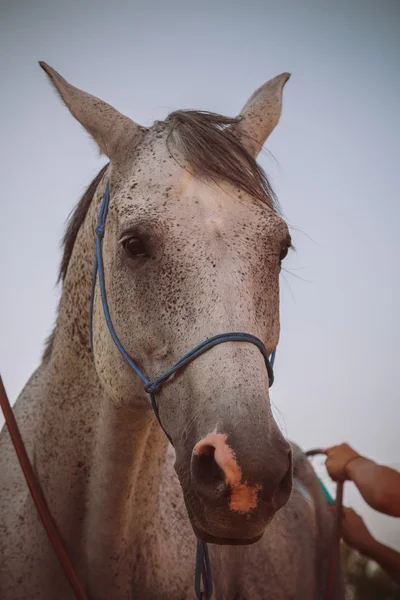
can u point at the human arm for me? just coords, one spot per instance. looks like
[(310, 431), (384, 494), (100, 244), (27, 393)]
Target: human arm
[(379, 485), (357, 536)]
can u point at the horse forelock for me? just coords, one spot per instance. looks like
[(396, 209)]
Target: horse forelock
[(211, 146)]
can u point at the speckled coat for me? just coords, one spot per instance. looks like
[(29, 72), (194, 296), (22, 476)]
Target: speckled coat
[(187, 254)]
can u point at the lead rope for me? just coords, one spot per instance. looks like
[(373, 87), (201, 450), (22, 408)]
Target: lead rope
[(203, 572), (338, 504)]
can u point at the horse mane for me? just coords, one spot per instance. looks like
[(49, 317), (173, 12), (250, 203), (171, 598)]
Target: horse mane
[(74, 223), (208, 142)]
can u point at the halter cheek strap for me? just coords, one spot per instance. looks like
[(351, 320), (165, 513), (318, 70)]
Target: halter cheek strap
[(152, 387)]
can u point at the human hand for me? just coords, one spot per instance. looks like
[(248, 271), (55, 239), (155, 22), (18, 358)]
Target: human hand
[(355, 532), (338, 459)]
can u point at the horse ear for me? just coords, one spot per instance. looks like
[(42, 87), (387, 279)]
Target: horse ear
[(113, 132), (261, 114)]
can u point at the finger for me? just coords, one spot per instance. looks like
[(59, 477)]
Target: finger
[(330, 449)]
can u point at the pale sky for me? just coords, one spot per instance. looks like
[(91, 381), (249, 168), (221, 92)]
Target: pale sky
[(335, 172)]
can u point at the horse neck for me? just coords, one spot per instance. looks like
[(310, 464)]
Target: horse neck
[(99, 463)]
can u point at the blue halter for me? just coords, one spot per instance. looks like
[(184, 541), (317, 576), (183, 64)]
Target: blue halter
[(203, 570)]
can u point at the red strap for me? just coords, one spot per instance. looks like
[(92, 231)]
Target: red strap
[(38, 497)]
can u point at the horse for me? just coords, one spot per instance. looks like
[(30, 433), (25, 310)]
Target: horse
[(192, 247)]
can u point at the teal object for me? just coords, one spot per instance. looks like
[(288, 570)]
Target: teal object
[(331, 501)]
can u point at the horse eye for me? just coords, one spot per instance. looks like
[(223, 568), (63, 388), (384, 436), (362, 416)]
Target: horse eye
[(284, 252), (134, 247)]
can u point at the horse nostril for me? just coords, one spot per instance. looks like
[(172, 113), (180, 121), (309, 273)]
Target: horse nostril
[(209, 476), (205, 450)]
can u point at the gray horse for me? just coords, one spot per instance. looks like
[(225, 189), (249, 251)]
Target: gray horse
[(193, 247)]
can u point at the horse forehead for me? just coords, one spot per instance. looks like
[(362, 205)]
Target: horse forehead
[(162, 182), (175, 192), (154, 177)]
